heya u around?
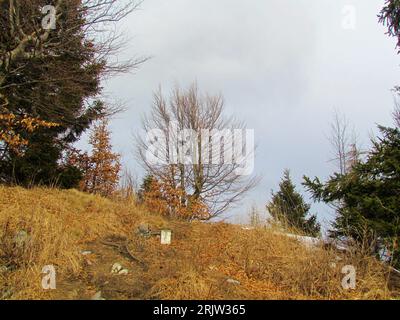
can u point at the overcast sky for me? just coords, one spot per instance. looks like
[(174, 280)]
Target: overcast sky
[(281, 65)]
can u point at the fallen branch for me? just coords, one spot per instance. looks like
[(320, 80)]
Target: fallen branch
[(124, 250)]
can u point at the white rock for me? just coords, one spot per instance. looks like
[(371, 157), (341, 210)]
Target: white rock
[(86, 252), (123, 272), (116, 268), (232, 281), (97, 296)]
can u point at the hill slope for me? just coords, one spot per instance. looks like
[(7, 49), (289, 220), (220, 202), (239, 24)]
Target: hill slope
[(83, 236)]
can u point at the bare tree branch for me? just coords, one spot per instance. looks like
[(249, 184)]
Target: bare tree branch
[(344, 143), (206, 171)]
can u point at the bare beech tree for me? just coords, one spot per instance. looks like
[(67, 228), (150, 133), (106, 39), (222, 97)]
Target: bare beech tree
[(197, 147), (344, 143)]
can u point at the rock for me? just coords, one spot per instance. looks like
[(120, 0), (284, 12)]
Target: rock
[(21, 239), (3, 269), (97, 296), (144, 229), (86, 252), (116, 268), (233, 281), (123, 272)]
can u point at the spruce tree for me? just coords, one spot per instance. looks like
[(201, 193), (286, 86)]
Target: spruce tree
[(288, 207), (54, 74), (146, 186), (368, 197)]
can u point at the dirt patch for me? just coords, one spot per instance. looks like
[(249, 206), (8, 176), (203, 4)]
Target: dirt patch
[(99, 258)]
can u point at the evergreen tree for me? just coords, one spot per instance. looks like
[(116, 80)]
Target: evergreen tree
[(146, 186), (288, 207), (53, 74), (37, 165), (390, 17), (368, 197)]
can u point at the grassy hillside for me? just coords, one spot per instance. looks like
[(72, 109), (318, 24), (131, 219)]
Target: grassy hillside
[(84, 235)]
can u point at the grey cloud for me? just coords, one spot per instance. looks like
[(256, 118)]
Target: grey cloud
[(282, 66)]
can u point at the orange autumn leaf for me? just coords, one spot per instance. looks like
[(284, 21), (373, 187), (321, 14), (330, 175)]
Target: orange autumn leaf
[(10, 125)]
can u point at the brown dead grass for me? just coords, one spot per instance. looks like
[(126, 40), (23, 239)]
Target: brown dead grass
[(58, 224), (196, 265), (268, 266)]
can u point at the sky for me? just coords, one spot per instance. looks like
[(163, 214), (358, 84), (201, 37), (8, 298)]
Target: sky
[(282, 66)]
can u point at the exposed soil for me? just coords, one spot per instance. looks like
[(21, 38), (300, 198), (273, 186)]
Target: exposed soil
[(97, 274)]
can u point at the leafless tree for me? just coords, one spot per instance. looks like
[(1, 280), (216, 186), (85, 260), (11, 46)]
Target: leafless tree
[(344, 143), (396, 114), (129, 185), (204, 170)]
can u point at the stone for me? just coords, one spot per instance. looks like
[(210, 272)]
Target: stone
[(86, 252), (4, 269), (116, 268), (233, 281), (144, 228), (97, 296), (123, 272)]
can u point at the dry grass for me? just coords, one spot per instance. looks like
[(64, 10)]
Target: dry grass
[(58, 224), (268, 266), (196, 266)]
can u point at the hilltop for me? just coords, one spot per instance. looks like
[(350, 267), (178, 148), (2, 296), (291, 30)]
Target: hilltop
[(83, 236)]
